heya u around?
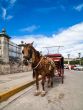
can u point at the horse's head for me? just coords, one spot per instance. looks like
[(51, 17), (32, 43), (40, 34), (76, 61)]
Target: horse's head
[(27, 51)]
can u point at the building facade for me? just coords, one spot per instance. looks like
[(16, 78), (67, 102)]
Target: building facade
[(8, 49)]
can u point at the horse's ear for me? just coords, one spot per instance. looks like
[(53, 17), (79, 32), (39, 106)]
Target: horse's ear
[(32, 43)]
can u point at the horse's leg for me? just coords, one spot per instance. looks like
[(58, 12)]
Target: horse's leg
[(37, 87), (52, 75), (49, 81), (43, 89)]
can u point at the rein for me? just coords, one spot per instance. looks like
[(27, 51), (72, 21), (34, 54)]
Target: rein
[(38, 64)]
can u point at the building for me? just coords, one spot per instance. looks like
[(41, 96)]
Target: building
[(8, 49)]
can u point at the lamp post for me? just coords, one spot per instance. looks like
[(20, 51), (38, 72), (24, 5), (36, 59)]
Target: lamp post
[(68, 58), (79, 55), (69, 61)]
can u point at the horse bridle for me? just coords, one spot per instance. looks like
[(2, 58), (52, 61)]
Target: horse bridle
[(30, 51)]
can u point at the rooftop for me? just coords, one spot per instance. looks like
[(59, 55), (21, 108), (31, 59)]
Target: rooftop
[(4, 34), (54, 55)]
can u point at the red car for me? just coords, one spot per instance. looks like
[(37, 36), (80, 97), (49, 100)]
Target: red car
[(72, 67)]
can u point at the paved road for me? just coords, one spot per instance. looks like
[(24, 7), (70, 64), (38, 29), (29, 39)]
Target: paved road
[(67, 96)]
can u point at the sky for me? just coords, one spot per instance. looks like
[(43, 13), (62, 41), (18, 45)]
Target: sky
[(48, 23)]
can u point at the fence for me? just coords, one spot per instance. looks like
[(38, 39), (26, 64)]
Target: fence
[(14, 50), (10, 51)]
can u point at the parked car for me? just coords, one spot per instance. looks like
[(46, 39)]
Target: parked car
[(78, 67), (72, 67), (66, 67)]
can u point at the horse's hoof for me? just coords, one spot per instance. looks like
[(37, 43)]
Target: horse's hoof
[(37, 93), (49, 86), (43, 93)]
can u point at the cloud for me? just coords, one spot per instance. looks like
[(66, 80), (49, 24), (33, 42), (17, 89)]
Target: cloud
[(71, 39), (6, 8), (30, 28), (4, 12), (12, 2), (49, 9), (79, 7), (9, 17)]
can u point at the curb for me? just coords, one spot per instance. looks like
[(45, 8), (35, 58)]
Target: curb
[(5, 95)]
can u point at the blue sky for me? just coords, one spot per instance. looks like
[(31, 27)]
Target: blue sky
[(36, 18)]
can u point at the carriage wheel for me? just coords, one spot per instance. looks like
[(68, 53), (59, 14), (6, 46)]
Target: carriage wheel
[(61, 75)]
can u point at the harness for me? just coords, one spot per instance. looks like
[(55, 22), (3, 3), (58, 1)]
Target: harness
[(38, 64)]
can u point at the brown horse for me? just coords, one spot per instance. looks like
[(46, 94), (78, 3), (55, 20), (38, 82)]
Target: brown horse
[(41, 66)]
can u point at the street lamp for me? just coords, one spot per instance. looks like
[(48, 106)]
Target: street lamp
[(79, 55), (68, 58)]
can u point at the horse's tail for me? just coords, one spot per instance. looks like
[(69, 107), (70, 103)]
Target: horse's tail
[(34, 74)]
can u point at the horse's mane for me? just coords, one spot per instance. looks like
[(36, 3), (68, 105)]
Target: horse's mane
[(37, 52)]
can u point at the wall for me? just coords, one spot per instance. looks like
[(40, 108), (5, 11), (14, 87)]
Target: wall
[(15, 68)]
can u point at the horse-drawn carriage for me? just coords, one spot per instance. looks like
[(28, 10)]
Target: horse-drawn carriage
[(43, 66), (59, 64)]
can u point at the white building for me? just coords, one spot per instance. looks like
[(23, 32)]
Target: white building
[(8, 50)]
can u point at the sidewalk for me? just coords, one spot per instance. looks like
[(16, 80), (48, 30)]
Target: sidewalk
[(13, 83)]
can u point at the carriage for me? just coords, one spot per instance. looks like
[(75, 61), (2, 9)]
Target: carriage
[(59, 63), (43, 66)]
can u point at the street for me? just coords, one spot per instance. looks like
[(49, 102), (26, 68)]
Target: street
[(67, 96)]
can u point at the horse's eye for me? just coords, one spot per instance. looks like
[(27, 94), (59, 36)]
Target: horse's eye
[(22, 52)]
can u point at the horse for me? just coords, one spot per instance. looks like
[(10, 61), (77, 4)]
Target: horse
[(41, 65)]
